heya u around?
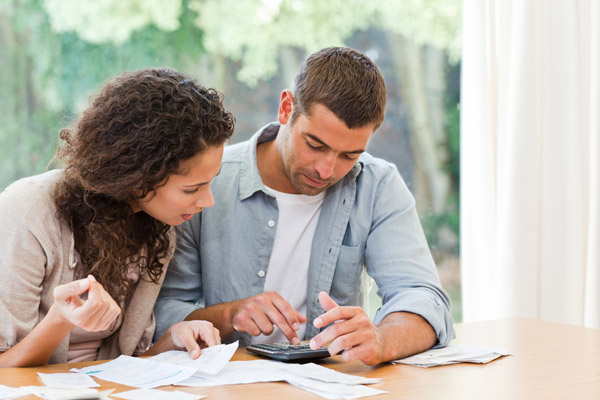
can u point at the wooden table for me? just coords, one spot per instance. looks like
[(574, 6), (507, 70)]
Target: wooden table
[(550, 361)]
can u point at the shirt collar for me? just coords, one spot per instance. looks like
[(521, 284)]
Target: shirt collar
[(250, 180)]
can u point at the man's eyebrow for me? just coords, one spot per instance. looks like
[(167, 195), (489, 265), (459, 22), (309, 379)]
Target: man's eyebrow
[(316, 139)]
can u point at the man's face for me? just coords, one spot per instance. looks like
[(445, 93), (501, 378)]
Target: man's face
[(319, 149)]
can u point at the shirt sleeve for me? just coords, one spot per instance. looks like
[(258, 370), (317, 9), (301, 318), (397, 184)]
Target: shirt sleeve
[(24, 262), (181, 291), (398, 258)]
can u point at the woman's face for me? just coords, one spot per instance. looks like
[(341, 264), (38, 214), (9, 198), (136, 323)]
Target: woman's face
[(187, 193)]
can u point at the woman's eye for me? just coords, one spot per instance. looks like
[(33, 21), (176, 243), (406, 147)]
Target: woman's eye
[(190, 191)]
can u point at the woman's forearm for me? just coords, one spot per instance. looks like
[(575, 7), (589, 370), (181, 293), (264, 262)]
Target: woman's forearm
[(36, 348)]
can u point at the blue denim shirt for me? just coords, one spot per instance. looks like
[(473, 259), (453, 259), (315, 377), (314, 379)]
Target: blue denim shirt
[(368, 219)]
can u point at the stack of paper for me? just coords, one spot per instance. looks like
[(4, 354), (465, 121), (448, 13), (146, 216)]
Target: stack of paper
[(7, 392), (454, 354), (50, 393), (154, 371), (212, 359), (212, 368), (155, 394), (68, 381), (65, 386), (314, 378)]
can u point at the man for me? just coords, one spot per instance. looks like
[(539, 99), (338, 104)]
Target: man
[(300, 208)]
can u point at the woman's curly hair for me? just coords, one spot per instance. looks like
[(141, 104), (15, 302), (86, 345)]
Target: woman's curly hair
[(136, 133)]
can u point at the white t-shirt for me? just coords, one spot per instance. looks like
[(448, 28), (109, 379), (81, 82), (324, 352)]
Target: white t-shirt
[(288, 266)]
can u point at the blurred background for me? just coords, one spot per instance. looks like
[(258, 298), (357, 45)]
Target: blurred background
[(54, 54)]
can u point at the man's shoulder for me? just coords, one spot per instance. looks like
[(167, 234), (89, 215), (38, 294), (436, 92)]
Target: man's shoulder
[(375, 166), (377, 173), (234, 152)]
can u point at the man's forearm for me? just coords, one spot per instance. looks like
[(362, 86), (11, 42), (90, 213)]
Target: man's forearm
[(221, 316), (405, 334)]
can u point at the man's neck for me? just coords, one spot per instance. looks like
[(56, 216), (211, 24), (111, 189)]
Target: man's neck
[(271, 168)]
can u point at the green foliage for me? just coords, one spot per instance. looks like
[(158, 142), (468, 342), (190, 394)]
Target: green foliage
[(434, 224), (453, 144), (51, 76), (24, 35), (253, 31), (65, 48), (114, 21), (149, 47), (427, 22)]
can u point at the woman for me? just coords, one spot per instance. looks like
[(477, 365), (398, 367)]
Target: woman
[(84, 249)]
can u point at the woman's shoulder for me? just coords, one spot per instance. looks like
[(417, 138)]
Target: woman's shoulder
[(30, 195), (35, 184), (32, 237)]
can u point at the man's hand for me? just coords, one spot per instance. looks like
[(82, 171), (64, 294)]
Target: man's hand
[(260, 313), (352, 331)]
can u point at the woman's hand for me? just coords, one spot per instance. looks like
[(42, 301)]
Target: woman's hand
[(187, 335), (193, 336), (96, 313), (69, 310)]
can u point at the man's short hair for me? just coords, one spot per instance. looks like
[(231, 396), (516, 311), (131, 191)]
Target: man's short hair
[(346, 82)]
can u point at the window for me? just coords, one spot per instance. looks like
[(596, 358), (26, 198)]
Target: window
[(56, 51)]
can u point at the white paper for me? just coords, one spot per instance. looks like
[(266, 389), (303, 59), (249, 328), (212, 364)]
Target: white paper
[(68, 380), (332, 390), (238, 372), (164, 369), (156, 394), (212, 359), (454, 354), (7, 392), (315, 371), (49, 393), (138, 372), (314, 378)]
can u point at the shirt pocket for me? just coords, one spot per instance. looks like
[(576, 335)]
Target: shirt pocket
[(345, 288)]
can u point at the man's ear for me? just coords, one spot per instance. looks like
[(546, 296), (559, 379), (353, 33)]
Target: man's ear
[(285, 107)]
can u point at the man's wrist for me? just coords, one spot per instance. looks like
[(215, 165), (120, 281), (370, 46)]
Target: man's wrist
[(220, 315), (228, 314)]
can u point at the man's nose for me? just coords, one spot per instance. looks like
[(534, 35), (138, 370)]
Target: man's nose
[(325, 167)]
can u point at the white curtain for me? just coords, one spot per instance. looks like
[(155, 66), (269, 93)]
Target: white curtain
[(530, 160)]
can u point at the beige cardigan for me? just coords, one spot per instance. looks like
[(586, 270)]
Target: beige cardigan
[(37, 254)]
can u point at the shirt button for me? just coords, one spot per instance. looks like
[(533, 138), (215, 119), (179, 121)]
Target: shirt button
[(261, 274), (271, 223)]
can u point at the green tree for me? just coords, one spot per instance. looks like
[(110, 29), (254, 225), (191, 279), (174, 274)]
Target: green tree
[(50, 74)]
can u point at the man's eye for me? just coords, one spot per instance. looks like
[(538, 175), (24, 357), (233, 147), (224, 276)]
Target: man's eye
[(313, 146), (192, 191)]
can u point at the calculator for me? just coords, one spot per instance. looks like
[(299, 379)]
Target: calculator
[(288, 351)]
